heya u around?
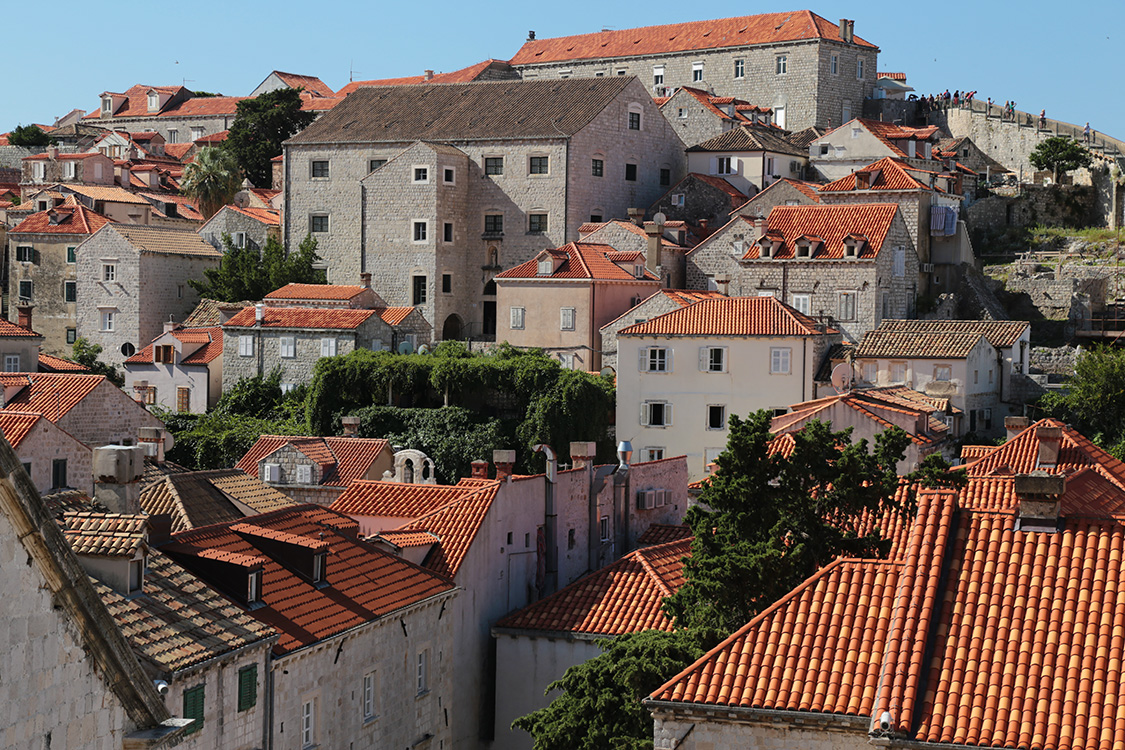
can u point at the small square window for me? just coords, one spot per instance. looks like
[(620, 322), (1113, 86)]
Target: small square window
[(634, 121), (539, 165), (109, 272), (494, 224), (70, 291), (12, 364), (716, 417), (723, 165), (630, 172), (655, 359), (447, 283), (25, 254), (681, 113), (318, 223), (597, 167), (494, 165), (654, 454), (665, 177), (419, 231), (320, 170), (421, 174), (374, 164), (537, 223), (517, 318), (447, 176), (447, 231), (943, 373)]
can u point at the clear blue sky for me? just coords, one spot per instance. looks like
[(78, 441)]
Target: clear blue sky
[(1053, 56)]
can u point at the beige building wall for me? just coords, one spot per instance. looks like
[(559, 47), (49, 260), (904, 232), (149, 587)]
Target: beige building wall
[(750, 171), (676, 731), (48, 274), (45, 444)]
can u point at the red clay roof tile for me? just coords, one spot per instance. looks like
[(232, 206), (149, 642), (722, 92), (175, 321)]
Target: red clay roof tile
[(728, 316), (315, 292), (302, 317), (832, 224), (353, 456), (580, 260), (72, 219)]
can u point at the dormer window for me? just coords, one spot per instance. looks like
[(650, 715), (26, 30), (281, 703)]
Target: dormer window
[(639, 271), (546, 267), (107, 105), (304, 474), (136, 575), (804, 249), (254, 587), (153, 102), (766, 245), (853, 245), (165, 353), (319, 567)]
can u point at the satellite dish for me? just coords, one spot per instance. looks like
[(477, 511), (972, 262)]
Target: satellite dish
[(660, 218), (424, 349), (406, 348), (842, 377)]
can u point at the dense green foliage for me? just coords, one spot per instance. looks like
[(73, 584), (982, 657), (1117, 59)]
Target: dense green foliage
[(86, 354), (249, 273), (600, 704), (211, 179), (1094, 399), (1060, 154), (260, 126), (29, 136)]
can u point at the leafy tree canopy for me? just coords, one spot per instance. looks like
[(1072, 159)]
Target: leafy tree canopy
[(86, 354), (247, 273), (29, 136), (1060, 154), (212, 179), (260, 126), (1094, 401), (204, 94)]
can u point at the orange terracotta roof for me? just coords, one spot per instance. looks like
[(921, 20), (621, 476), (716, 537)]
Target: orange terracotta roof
[(579, 260), (624, 597), (136, 101), (589, 227), (17, 425), (353, 456), (316, 292), (301, 317), (888, 133), (8, 330), (464, 75), (888, 174), (365, 583), (728, 316), (1021, 455), (204, 105), (398, 500), (211, 349), (308, 83), (107, 193), (973, 452), (1002, 333), (767, 28), (393, 316), (722, 184), (266, 216), (51, 394), (70, 219), (832, 224), (406, 539), (456, 525), (178, 150), (211, 138), (660, 533), (185, 206), (685, 297), (923, 430), (105, 534), (50, 363), (917, 345)]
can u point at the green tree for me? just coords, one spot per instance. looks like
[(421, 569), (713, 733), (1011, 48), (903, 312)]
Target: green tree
[(599, 707), (212, 179), (260, 126), (247, 273), (1094, 400), (29, 136), (765, 522), (1060, 154), (86, 354)]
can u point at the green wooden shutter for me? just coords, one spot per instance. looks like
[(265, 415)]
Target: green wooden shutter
[(247, 687), (193, 708)]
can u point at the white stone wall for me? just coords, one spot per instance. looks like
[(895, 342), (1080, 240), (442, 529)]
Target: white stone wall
[(335, 685), (674, 731), (107, 416), (205, 383), (224, 726), (229, 221), (43, 445)]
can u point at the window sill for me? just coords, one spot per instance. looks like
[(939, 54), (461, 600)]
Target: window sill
[(425, 693)]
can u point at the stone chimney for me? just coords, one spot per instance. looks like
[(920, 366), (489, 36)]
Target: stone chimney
[(117, 477), (1050, 439), (428, 75), (582, 454), (52, 152), (169, 326), (655, 235), (365, 280), (505, 461), (1040, 497), (1015, 425), (637, 216), (480, 469), (24, 315), (151, 439), (723, 285), (53, 216), (350, 426)]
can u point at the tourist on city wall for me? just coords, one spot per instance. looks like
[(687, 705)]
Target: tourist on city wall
[(1042, 118), (1086, 133)]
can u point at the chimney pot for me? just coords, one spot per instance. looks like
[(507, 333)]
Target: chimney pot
[(1015, 425), (117, 473), (350, 426), (365, 280), (24, 315), (480, 469), (582, 454), (531, 36), (169, 326), (259, 313), (637, 215), (429, 75), (504, 460), (1050, 439)]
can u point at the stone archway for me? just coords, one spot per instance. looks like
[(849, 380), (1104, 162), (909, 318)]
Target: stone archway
[(451, 329)]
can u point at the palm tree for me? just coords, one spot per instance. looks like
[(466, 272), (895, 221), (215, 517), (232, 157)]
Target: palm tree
[(212, 179)]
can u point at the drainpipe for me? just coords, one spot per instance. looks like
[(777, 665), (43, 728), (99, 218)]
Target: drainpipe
[(267, 730), (804, 365), (259, 316), (550, 519)]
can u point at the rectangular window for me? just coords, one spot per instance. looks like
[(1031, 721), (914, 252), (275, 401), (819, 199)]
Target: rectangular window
[(419, 290), (447, 283), (423, 671), (494, 165), (369, 696), (566, 319), (447, 232), (596, 218), (656, 414), (517, 318), (537, 223), (697, 72), (681, 113), (173, 136), (657, 75), (566, 361), (421, 174), (108, 320), (308, 723), (163, 353), (597, 167), (71, 335), (246, 346), (448, 176), (328, 347), (58, 473), (183, 398), (898, 372), (634, 121), (109, 272), (859, 68), (723, 165), (802, 303), (871, 372), (835, 64), (713, 359), (900, 261), (71, 256), (320, 170), (779, 360), (69, 170), (630, 172), (25, 254), (419, 231), (374, 164), (782, 64), (716, 417), (288, 347), (665, 177), (943, 373), (193, 708), (656, 359), (539, 165), (846, 309), (247, 687), (654, 454), (304, 474), (318, 223), (739, 68), (494, 224), (25, 289), (12, 364)]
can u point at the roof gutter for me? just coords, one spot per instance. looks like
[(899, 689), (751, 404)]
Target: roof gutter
[(808, 718)]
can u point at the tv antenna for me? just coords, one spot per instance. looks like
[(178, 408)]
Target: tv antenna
[(352, 71)]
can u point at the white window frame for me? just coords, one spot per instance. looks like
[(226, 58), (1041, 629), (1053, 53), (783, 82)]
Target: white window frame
[(108, 320), (781, 360), (422, 672), (654, 453), (546, 267), (287, 347), (655, 359), (697, 72), (238, 239), (871, 371), (847, 302), (246, 345), (802, 302), (894, 369), (657, 75), (328, 347), (369, 683), (566, 360), (448, 175), (603, 527), (153, 102), (70, 169), (420, 174), (414, 227), (946, 370), (109, 272), (11, 363), (173, 135), (740, 68), (304, 474), (308, 723), (197, 133), (517, 318), (724, 165), (782, 65), (665, 413), (320, 164), (713, 359), (723, 421), (567, 317)]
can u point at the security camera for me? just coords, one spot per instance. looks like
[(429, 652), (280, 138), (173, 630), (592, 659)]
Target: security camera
[(885, 721), (161, 687)]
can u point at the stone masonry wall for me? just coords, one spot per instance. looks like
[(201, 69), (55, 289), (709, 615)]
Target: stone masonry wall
[(692, 120), (229, 222), (46, 443), (224, 726), (700, 201), (657, 304), (267, 351), (1050, 205), (48, 275), (107, 417)]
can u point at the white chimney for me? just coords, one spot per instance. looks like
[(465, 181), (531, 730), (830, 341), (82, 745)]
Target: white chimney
[(259, 313)]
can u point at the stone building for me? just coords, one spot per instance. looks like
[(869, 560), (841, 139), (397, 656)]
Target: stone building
[(859, 142), (172, 111), (279, 80), (334, 296), (247, 227), (318, 469), (191, 499), (485, 70), (180, 370), (700, 198), (559, 300), (51, 167), (131, 279), (783, 192), (852, 265), (364, 655), (808, 70), (699, 115), (52, 458), (665, 300), (434, 189), (42, 271), (751, 158), (259, 338), (19, 345)]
